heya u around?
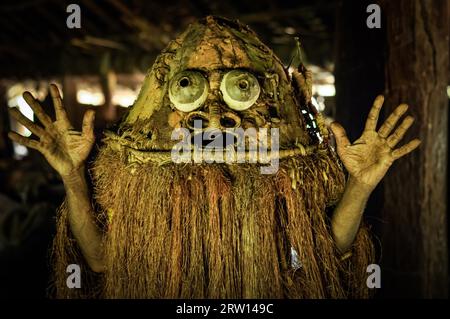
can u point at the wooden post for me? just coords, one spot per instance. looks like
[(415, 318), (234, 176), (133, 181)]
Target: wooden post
[(414, 236)]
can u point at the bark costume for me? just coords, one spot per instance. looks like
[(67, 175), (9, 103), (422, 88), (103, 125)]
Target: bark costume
[(217, 230)]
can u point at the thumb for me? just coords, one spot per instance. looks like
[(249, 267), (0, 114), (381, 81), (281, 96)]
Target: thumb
[(340, 135)]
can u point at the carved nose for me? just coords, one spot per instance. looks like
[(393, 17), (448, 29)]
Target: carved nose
[(222, 120), (214, 115)]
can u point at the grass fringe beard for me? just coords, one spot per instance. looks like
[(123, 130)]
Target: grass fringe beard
[(216, 231)]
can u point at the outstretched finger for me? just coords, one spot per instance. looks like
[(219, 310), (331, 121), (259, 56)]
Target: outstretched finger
[(392, 120), (406, 149), (33, 127), (372, 118), (398, 134), (88, 124), (28, 142), (340, 135), (37, 108), (60, 112)]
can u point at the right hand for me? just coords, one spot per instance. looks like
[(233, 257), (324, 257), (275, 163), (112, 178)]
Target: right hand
[(64, 148)]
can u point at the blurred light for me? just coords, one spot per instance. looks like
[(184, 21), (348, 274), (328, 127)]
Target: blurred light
[(17, 101), (324, 89), (25, 109), (318, 103), (19, 150), (291, 70), (123, 100), (124, 96), (90, 97), (289, 30), (448, 91)]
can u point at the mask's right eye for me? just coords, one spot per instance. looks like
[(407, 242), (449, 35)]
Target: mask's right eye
[(188, 90)]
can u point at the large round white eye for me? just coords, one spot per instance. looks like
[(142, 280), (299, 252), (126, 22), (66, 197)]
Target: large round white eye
[(188, 90), (240, 89)]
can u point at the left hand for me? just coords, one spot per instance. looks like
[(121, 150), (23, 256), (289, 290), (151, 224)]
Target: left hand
[(368, 158)]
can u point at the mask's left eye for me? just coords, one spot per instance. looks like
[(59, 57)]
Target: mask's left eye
[(188, 90), (240, 89)]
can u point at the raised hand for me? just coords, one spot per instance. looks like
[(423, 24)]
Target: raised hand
[(370, 156), (64, 148)]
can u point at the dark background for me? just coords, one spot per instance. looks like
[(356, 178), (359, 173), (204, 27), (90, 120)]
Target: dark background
[(407, 59)]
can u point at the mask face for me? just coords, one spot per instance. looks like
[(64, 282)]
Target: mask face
[(216, 76)]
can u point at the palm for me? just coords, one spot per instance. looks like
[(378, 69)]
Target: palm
[(64, 148), (370, 156)]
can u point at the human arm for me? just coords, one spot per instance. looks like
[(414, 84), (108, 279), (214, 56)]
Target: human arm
[(367, 160), (66, 150)]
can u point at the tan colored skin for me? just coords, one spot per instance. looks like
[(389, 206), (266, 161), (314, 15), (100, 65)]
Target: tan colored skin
[(367, 161), (66, 151)]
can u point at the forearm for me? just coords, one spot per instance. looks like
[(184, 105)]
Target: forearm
[(81, 219), (348, 213)]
